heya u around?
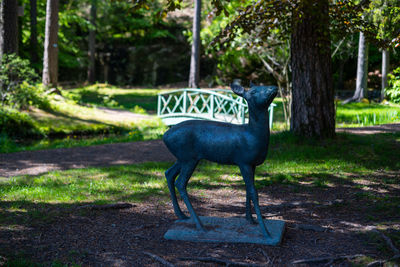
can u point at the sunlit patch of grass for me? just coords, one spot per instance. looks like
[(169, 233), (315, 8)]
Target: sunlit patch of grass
[(86, 185), (364, 114), (105, 95)]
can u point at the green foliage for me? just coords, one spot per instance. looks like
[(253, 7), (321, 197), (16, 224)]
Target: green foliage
[(17, 88), (16, 125), (393, 91), (125, 33), (385, 14)]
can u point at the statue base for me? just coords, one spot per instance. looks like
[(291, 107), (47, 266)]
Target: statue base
[(227, 230)]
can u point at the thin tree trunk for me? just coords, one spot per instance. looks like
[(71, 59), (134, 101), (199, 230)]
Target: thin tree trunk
[(362, 71), (50, 57), (313, 112), (33, 42), (10, 24), (1, 32), (92, 43), (385, 71), (195, 57)]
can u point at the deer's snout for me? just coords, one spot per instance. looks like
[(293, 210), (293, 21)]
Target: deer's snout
[(271, 93)]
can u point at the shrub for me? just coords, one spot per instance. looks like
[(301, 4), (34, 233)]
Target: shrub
[(17, 86), (393, 91)]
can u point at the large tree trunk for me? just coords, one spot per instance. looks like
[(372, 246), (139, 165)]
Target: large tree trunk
[(313, 113), (50, 57), (194, 76), (92, 44), (10, 26), (33, 38), (385, 71)]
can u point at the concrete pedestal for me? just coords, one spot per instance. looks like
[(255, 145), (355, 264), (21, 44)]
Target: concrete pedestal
[(229, 230)]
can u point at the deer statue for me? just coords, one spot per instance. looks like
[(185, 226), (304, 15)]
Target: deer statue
[(243, 145)]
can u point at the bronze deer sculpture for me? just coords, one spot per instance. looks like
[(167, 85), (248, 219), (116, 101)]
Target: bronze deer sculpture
[(243, 145)]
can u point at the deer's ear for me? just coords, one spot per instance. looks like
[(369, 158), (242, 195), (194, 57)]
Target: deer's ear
[(237, 89)]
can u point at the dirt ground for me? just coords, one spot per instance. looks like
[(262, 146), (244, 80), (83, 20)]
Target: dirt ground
[(37, 162), (337, 226), (322, 222)]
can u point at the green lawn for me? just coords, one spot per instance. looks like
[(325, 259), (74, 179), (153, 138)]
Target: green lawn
[(103, 95), (365, 114)]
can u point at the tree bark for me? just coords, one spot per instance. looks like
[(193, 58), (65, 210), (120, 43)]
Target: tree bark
[(1, 32), (10, 26), (194, 76), (50, 57), (33, 42), (362, 69), (313, 112), (92, 43), (385, 71)]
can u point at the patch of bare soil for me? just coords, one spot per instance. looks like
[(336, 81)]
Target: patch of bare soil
[(384, 128), (321, 222)]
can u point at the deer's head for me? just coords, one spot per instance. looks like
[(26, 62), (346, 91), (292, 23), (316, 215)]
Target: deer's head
[(257, 96)]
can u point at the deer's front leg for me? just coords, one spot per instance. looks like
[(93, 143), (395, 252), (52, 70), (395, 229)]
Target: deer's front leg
[(186, 172), (248, 177)]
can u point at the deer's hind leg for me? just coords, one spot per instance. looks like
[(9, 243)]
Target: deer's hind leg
[(171, 175), (249, 215), (186, 172)]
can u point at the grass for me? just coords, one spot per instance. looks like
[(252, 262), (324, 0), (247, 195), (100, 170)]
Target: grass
[(365, 114), (103, 95), (291, 161)]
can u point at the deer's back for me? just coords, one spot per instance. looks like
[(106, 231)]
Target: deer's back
[(215, 141)]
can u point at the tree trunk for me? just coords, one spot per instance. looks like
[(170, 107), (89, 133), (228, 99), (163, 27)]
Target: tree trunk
[(50, 57), (362, 71), (10, 26), (385, 71), (195, 57), (92, 43), (313, 112), (1, 32), (33, 42)]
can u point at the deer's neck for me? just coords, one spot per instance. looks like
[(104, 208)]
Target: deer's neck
[(259, 122)]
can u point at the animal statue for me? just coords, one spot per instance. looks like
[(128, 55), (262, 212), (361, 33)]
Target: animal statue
[(243, 145)]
